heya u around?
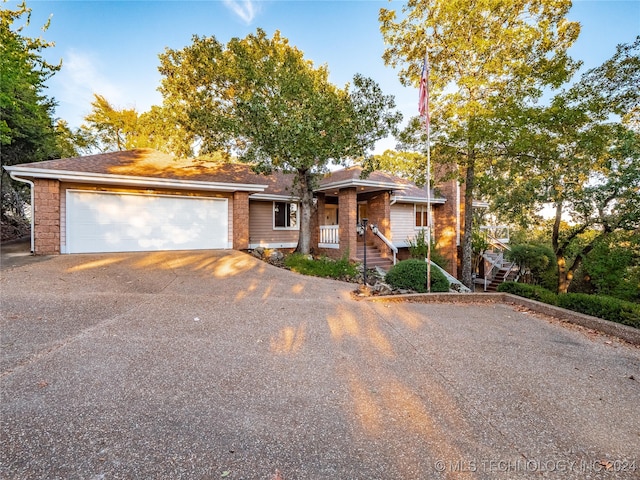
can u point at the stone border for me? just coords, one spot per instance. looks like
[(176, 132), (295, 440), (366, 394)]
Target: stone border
[(625, 332)]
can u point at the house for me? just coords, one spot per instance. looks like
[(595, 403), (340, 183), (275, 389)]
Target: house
[(144, 200)]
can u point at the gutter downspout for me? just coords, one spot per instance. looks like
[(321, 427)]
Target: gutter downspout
[(33, 210)]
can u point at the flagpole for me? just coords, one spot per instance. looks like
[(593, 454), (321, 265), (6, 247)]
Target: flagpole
[(425, 107), (429, 219)]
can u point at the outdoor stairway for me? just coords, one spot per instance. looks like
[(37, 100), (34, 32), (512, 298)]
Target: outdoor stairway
[(374, 257), (505, 274)]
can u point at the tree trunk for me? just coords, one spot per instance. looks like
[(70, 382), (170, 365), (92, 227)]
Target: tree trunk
[(565, 279), (305, 191), (561, 262), (564, 276), (467, 238)]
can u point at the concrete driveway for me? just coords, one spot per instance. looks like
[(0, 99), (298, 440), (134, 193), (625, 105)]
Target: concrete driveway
[(210, 365)]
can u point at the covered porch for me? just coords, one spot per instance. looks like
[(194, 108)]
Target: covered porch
[(344, 200)]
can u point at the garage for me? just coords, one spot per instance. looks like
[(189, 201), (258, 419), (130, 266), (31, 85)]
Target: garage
[(132, 222)]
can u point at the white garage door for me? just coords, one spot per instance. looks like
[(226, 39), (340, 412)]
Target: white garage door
[(117, 222)]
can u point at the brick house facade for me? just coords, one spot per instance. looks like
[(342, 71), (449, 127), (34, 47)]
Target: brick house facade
[(250, 206)]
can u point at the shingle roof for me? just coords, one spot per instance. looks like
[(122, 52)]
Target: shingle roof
[(153, 164), (401, 187), (148, 163)]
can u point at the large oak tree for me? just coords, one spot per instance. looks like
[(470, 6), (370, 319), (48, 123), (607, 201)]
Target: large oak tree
[(259, 99)]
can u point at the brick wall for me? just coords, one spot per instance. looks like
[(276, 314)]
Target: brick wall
[(444, 219), (46, 216), (347, 216), (379, 214), (240, 220)]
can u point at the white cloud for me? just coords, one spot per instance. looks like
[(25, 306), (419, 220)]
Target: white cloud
[(73, 87), (245, 9)]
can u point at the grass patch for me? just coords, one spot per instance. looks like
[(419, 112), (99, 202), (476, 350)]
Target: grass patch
[(325, 267)]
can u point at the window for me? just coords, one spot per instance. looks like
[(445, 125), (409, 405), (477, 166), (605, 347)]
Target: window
[(285, 215), (421, 216)]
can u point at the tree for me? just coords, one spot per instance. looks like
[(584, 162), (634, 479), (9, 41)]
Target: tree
[(73, 142), (613, 266), (403, 164), (481, 52), (259, 99), (27, 129), (113, 129), (109, 129), (580, 155)]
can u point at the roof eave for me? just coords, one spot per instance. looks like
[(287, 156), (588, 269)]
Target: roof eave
[(134, 181), (359, 183), (273, 197), (419, 200)]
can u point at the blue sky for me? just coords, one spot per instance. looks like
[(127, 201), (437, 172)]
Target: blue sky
[(111, 47)]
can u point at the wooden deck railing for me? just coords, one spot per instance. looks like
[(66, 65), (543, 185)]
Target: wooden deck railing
[(329, 236)]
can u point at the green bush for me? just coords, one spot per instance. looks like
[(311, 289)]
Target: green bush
[(608, 308), (321, 267), (538, 259), (601, 306), (534, 292), (411, 274)]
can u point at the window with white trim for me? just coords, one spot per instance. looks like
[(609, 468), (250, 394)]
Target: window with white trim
[(285, 216), (421, 216)]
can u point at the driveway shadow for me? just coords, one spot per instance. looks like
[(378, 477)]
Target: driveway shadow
[(213, 364)]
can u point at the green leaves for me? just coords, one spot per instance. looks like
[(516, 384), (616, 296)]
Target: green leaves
[(27, 131), (258, 98), (486, 57)]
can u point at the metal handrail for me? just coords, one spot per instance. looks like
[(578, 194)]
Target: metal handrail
[(452, 280), (387, 242), (488, 274)]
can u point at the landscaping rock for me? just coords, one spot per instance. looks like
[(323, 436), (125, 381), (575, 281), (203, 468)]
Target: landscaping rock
[(381, 288), (276, 256)]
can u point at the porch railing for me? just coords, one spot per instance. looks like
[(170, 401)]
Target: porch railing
[(329, 236)]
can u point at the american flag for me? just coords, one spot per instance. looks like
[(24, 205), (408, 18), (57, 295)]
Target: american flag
[(423, 105)]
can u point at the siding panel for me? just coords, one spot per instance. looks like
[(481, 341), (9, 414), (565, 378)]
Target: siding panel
[(261, 230), (402, 223)]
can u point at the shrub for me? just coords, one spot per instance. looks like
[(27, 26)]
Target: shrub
[(534, 292), (538, 259), (601, 306), (418, 248), (411, 274), (608, 308), (321, 267)]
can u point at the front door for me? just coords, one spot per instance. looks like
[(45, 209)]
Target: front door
[(362, 211)]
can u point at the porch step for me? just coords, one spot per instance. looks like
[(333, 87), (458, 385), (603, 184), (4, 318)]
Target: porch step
[(374, 257)]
